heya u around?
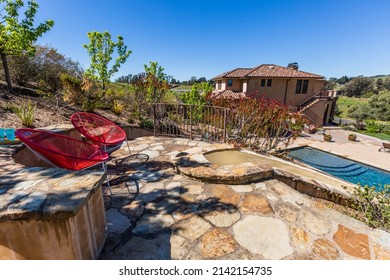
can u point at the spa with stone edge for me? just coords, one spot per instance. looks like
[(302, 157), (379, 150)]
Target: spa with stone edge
[(221, 163)]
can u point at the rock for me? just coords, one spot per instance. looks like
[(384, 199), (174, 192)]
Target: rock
[(261, 186), (223, 217), (179, 247), (140, 147), (153, 223), (287, 212), (314, 223), (173, 189), (223, 193), (151, 154), (151, 191), (242, 188), (193, 189), (353, 243), (116, 222), (217, 243), (157, 148), (300, 239), (184, 212), (264, 236), (323, 249), (137, 248), (381, 253), (192, 228), (133, 210), (253, 203)]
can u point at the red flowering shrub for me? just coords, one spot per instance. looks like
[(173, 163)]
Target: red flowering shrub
[(259, 123)]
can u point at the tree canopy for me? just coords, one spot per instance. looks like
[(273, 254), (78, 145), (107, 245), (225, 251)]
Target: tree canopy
[(18, 35), (101, 49)]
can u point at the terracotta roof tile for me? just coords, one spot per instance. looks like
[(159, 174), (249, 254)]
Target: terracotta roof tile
[(268, 71), (238, 73), (228, 94)]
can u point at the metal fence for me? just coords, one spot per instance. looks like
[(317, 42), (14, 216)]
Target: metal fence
[(190, 121)]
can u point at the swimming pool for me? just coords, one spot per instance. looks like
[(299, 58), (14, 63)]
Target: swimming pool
[(348, 170)]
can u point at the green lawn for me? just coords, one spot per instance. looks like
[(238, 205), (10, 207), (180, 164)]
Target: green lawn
[(182, 88), (344, 102), (382, 136)]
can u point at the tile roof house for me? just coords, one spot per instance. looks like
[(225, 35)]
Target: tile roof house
[(302, 91)]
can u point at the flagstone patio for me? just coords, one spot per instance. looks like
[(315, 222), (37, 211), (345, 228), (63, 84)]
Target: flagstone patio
[(156, 213), (171, 216)]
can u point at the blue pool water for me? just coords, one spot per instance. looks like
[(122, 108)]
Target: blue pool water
[(348, 170)]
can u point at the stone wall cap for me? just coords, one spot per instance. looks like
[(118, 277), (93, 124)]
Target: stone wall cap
[(46, 193)]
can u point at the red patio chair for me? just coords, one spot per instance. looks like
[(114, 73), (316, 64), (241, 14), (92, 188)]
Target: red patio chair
[(60, 150), (99, 130)]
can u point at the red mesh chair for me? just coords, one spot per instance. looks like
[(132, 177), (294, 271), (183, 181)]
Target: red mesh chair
[(99, 130), (62, 151)]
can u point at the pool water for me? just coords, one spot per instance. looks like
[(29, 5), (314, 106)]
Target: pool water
[(348, 170)]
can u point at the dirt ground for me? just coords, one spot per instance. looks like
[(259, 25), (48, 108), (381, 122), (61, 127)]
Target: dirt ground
[(49, 110)]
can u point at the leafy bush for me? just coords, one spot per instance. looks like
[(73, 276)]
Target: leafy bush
[(83, 92), (350, 127), (377, 126), (8, 107), (359, 112), (72, 89), (373, 205), (380, 106), (26, 113), (117, 107), (146, 123), (259, 123), (358, 87), (44, 69), (149, 87)]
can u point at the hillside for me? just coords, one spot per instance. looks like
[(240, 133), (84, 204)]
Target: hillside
[(49, 110)]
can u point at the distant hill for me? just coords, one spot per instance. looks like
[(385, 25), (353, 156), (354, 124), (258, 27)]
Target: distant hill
[(379, 77)]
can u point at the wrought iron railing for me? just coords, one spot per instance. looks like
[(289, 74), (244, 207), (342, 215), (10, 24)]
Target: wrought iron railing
[(190, 121)]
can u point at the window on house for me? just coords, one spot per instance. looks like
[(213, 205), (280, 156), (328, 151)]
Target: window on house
[(269, 82), (305, 86), (230, 83), (219, 85), (262, 83), (298, 89), (302, 86)]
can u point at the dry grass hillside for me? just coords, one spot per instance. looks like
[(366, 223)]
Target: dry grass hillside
[(49, 110)]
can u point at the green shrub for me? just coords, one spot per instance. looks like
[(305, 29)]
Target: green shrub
[(117, 107), (146, 123), (377, 126), (8, 107), (72, 89), (373, 205), (349, 127), (26, 113)]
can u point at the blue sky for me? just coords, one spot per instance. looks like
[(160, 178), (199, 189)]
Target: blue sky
[(204, 38)]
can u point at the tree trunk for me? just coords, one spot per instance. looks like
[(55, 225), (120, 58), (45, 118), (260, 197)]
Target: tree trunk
[(6, 72)]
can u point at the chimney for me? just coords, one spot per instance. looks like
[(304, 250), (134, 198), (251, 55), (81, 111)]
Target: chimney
[(293, 65)]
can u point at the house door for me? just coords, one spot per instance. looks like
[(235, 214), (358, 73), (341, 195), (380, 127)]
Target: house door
[(325, 119)]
